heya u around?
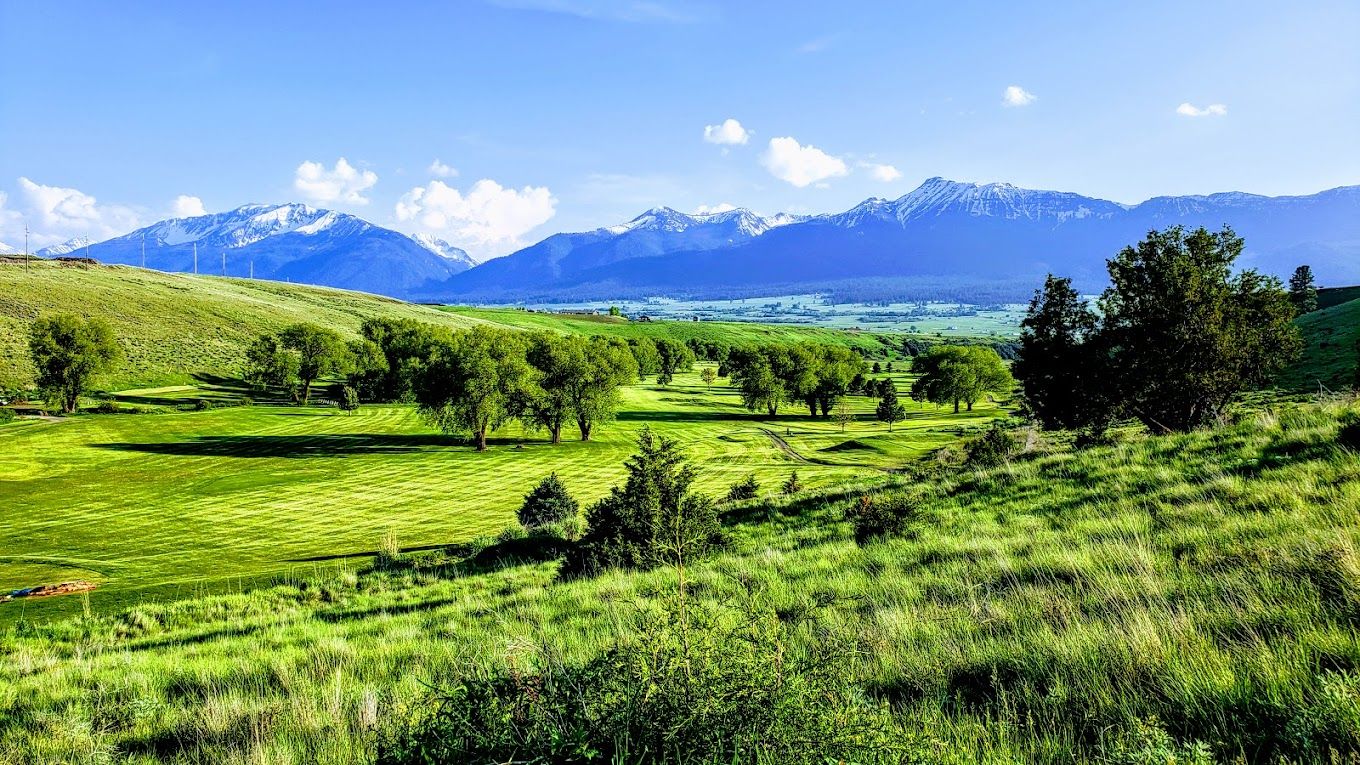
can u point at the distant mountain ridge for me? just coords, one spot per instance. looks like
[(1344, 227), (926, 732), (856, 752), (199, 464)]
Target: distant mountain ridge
[(942, 233), (288, 242)]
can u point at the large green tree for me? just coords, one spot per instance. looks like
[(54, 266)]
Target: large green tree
[(269, 364), (956, 374), (1185, 333), (675, 357), (1059, 366), (320, 352), (475, 382), (594, 396), (405, 344), (752, 371), (67, 352)]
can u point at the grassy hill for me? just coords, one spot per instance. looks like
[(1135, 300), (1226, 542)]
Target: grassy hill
[(172, 326), (1188, 598), (1329, 356)]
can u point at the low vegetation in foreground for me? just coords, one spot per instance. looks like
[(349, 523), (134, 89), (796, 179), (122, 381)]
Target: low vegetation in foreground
[(1186, 598)]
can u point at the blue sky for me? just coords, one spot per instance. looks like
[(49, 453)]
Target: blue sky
[(550, 115)]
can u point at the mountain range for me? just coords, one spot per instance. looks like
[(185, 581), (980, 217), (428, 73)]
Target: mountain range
[(287, 242), (944, 239)]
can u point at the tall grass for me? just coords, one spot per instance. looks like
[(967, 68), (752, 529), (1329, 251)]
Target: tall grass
[(1193, 597)]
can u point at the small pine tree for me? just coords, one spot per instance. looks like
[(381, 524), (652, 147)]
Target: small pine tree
[(792, 485), (877, 367), (1303, 291), (747, 488), (548, 503), (348, 398), (890, 410), (889, 366)]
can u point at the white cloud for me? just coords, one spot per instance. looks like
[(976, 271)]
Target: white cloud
[(489, 218), (1212, 110), (343, 183), (1017, 96), (728, 133), (63, 213), (186, 206), (884, 173), (440, 170), (721, 207), (788, 160)]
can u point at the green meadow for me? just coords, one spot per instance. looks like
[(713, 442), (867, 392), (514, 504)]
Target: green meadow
[(180, 503)]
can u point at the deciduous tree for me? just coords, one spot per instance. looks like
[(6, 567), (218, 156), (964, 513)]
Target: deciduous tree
[(67, 352)]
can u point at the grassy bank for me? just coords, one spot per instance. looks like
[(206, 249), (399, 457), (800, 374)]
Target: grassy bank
[(1161, 597)]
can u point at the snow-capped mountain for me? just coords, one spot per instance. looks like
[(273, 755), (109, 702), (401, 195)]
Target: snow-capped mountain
[(943, 232), (293, 242), (8, 250), (443, 249), (69, 247)]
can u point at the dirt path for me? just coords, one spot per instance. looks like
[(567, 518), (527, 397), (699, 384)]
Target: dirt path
[(785, 448)]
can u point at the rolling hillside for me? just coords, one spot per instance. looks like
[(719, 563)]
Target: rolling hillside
[(1330, 352), (174, 325)]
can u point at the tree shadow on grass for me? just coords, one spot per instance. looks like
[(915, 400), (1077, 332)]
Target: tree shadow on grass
[(333, 445)]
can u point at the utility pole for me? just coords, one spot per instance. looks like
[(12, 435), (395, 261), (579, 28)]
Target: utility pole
[(195, 258), (143, 249), (25, 247), (252, 266), (224, 262)]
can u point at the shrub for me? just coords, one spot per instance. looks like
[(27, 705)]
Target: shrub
[(202, 405), (991, 448), (792, 485), (389, 553), (747, 488), (875, 517), (653, 519), (6, 415), (548, 503), (347, 398), (741, 694), (1146, 743), (107, 406)]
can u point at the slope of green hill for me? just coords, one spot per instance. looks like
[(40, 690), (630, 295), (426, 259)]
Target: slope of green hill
[(172, 326), (1330, 296), (1330, 353)]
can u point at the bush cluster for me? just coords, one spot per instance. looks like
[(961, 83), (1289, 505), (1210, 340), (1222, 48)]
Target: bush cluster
[(880, 516), (746, 488), (548, 504)]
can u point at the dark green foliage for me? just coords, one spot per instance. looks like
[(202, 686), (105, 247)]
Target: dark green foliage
[(992, 447), (1059, 364), (877, 368), (1303, 290), (107, 406), (269, 364), (202, 405), (956, 374), (547, 504), (645, 354), (320, 352), (889, 409), (405, 346), (879, 516), (6, 415), (1185, 334), (67, 352), (1349, 433), (691, 685), (347, 399), (475, 382), (675, 357), (814, 375), (653, 519), (367, 370), (792, 485), (746, 488)]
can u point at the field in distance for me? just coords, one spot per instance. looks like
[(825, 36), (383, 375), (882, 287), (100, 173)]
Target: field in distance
[(178, 503)]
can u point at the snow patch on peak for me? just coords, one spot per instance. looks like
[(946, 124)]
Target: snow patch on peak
[(443, 249), (5, 249), (66, 248)]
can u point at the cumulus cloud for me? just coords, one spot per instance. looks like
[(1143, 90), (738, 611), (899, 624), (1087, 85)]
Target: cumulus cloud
[(440, 170), (1017, 96), (790, 161), (62, 213), (1212, 110), (721, 207), (342, 183), (727, 133), (488, 218), (884, 173), (186, 206)]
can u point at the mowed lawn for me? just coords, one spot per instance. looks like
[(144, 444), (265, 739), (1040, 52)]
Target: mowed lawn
[(162, 505)]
